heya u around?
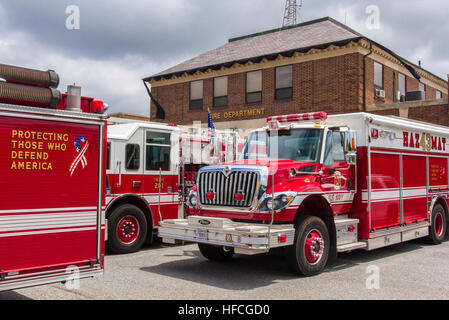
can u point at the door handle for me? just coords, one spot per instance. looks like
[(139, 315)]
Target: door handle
[(119, 165), (136, 184)]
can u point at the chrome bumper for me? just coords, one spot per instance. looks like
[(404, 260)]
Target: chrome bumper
[(245, 238)]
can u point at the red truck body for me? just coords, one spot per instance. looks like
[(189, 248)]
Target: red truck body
[(328, 185), (52, 164), (150, 169)]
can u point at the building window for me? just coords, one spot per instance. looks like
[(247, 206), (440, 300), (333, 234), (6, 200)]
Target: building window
[(132, 157), (196, 95), (221, 91), (378, 76), (284, 83), (157, 151), (438, 94), (401, 85), (422, 87), (254, 86)]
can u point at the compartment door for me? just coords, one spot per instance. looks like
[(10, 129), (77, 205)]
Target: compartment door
[(385, 190), (48, 196), (414, 202)]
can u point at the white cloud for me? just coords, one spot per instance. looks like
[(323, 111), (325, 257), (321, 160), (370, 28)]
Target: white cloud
[(116, 81), (120, 42)]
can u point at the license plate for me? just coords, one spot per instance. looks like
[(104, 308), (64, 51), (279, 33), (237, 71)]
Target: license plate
[(200, 234)]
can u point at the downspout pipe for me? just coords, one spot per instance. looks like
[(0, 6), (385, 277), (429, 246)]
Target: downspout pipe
[(364, 74)]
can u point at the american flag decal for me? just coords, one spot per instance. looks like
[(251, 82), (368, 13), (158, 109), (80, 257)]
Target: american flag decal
[(81, 153)]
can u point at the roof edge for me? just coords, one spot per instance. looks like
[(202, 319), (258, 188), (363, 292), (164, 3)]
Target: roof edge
[(271, 56), (403, 60), (295, 26)]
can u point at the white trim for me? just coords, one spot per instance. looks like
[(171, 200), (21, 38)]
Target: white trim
[(31, 274), (2, 235), (40, 280), (164, 199), (50, 217), (46, 221), (47, 209), (393, 194)]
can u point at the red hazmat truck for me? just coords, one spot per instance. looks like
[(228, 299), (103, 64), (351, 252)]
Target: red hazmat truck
[(320, 185), (52, 181)]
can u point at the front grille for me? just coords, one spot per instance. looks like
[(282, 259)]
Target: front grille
[(225, 187)]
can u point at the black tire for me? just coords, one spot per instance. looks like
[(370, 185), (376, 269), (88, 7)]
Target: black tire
[(308, 227), (138, 235), (438, 227), (216, 253)]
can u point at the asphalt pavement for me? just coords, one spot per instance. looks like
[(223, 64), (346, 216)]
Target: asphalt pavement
[(412, 270)]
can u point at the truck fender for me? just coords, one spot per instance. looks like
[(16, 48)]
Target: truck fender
[(318, 205), (439, 199), (132, 199)]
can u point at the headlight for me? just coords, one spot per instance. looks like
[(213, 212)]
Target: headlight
[(292, 172), (192, 200), (281, 201)]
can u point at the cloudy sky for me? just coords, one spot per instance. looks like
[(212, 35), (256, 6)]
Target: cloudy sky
[(119, 42)]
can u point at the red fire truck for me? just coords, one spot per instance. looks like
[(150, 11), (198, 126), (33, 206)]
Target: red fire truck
[(320, 185), (53, 180), (150, 169)]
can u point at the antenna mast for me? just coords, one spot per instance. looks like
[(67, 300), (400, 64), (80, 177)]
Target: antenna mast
[(291, 12)]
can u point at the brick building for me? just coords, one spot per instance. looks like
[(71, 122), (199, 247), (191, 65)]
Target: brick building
[(313, 66)]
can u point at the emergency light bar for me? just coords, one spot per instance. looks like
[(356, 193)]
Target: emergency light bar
[(299, 117)]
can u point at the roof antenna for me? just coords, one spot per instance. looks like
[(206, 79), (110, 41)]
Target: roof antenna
[(291, 12)]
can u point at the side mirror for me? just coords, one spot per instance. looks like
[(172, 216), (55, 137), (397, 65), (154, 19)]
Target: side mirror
[(351, 146)]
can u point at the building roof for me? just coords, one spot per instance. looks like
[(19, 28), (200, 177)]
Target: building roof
[(315, 34), (319, 33)]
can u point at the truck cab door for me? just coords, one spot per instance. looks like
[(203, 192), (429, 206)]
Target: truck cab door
[(126, 166), (161, 170), (338, 176)]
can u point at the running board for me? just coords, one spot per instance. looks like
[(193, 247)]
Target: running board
[(351, 246)]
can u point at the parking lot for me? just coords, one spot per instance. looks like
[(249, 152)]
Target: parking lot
[(406, 271)]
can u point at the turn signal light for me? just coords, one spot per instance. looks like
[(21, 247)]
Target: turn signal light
[(282, 238)]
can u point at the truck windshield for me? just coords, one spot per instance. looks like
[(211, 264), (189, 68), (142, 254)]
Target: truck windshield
[(296, 144)]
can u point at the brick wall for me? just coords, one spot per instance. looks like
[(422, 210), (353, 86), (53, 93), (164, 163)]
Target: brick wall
[(390, 75), (334, 85), (437, 114), (433, 110)]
